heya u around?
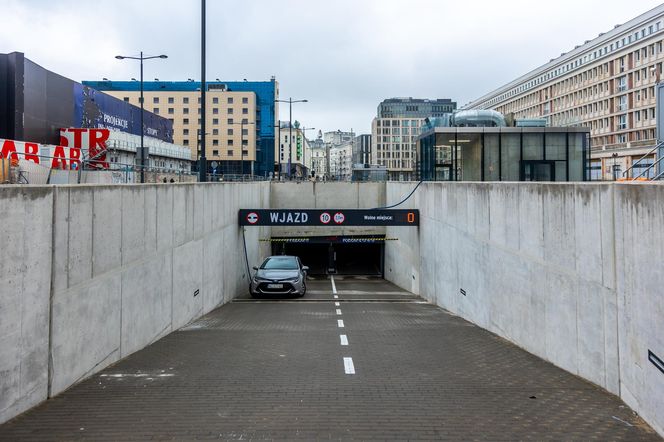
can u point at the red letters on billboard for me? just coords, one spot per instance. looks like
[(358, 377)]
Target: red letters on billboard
[(73, 142)]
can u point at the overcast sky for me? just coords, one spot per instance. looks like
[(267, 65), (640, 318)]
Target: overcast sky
[(344, 56)]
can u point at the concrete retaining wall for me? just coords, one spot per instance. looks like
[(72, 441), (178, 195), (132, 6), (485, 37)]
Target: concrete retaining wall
[(570, 272), (117, 267)]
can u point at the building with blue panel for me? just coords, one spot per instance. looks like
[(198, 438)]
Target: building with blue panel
[(240, 119)]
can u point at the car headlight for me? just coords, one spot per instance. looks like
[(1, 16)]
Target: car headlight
[(259, 279), (297, 279)]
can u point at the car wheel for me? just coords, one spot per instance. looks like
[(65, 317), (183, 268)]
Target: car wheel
[(304, 290)]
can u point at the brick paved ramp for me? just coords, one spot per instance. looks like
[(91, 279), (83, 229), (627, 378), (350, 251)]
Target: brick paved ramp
[(276, 370)]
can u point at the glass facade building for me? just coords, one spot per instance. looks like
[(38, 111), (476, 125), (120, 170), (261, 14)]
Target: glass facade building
[(504, 154)]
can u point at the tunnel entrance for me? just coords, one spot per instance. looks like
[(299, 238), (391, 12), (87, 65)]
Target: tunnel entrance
[(343, 255)]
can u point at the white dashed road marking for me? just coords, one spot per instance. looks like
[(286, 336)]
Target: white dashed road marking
[(348, 366), (336, 297), (338, 311), (340, 323), (334, 286), (344, 339)]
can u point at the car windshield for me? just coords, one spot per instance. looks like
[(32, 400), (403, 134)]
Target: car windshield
[(280, 263)]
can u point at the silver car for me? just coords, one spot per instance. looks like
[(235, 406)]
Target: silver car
[(280, 275)]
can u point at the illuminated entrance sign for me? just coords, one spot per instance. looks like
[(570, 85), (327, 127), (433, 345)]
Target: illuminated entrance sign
[(329, 217)]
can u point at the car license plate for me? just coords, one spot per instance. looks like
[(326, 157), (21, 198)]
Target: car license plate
[(275, 286)]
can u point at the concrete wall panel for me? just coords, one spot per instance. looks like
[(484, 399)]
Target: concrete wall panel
[(85, 330), (106, 230), (25, 280), (146, 302)]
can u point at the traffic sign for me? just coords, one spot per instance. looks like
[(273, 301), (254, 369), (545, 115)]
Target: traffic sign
[(252, 218), (324, 217)]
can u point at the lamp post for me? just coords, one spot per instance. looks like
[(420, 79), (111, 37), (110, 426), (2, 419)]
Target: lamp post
[(290, 102), (142, 147), (242, 124), (278, 126)]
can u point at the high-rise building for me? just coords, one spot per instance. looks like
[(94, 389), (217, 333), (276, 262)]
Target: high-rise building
[(395, 129), (415, 107), (606, 84), (240, 118)]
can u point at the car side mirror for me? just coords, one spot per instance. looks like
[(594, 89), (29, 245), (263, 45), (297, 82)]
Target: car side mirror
[(305, 268), (255, 268)]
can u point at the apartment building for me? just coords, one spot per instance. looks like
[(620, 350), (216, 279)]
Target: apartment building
[(240, 119), (606, 84), (394, 133)]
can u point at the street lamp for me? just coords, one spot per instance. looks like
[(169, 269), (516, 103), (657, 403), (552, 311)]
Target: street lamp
[(143, 155), (290, 102), (242, 124), (278, 126)]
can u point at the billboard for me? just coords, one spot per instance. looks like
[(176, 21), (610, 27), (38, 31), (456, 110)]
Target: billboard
[(94, 109)]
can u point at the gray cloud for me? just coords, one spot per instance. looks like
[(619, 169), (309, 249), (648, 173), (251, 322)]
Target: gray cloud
[(344, 56)]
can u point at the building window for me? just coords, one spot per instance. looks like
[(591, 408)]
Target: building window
[(622, 103), (229, 153), (215, 121), (622, 123), (171, 100), (245, 111), (245, 121), (215, 110), (229, 121), (185, 100), (185, 121), (155, 110), (171, 111), (230, 132), (230, 110), (199, 100), (215, 142), (155, 100), (230, 142), (126, 99), (215, 100), (185, 142), (215, 131), (215, 152), (245, 100), (185, 110)]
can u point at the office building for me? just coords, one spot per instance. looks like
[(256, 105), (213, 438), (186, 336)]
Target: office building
[(606, 84), (394, 133), (415, 107), (240, 119)]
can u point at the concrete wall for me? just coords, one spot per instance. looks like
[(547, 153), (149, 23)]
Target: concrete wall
[(118, 267), (570, 272), (337, 195)]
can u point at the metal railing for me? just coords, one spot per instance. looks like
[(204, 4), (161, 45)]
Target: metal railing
[(637, 162)]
